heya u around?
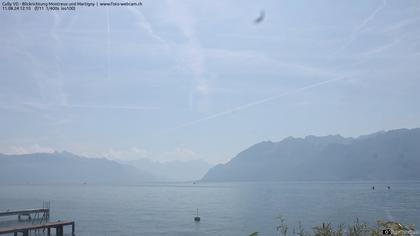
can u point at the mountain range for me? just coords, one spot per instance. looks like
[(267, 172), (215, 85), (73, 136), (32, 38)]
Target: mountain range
[(67, 168), (391, 155)]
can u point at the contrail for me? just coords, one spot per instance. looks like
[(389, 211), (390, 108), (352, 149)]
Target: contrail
[(360, 27), (258, 102), (371, 16), (108, 42), (45, 106), (145, 25), (61, 96), (123, 107)]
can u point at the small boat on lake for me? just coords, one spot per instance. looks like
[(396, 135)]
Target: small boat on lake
[(197, 218)]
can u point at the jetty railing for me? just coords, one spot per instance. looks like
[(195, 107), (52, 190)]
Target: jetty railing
[(45, 213), (38, 219)]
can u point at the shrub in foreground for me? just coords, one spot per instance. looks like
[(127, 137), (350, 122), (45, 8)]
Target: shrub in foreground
[(382, 227)]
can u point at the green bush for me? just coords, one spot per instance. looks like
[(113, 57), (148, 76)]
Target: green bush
[(355, 229)]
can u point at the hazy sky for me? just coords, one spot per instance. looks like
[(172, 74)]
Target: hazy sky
[(198, 79)]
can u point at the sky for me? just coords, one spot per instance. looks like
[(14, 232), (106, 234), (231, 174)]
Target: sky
[(188, 79)]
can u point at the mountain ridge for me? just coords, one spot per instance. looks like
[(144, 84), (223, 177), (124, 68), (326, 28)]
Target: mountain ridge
[(66, 168), (390, 155)]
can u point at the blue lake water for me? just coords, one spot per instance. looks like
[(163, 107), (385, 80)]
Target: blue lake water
[(225, 208)]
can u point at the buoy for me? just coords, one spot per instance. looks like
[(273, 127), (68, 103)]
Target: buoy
[(197, 218)]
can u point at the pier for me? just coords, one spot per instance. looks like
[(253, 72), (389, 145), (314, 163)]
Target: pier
[(24, 229), (36, 219), (30, 213)]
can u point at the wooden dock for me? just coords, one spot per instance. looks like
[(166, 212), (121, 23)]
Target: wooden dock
[(24, 229), (27, 212)]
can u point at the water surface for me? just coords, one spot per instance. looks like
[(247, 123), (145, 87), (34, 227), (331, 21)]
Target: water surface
[(225, 208)]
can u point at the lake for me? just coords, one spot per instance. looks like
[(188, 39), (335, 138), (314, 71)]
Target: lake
[(225, 208)]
